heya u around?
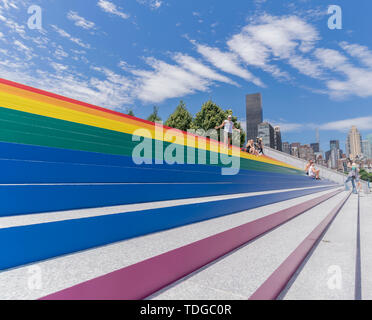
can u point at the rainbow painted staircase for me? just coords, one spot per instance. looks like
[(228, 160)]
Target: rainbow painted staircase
[(80, 218)]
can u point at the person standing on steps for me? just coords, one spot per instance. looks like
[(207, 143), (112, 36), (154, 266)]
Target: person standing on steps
[(228, 130)]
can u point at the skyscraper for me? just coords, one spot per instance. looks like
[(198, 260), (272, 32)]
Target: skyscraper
[(254, 114), (335, 153), (327, 156), (334, 157), (369, 137), (334, 144), (266, 132), (367, 149), (315, 147), (286, 147), (277, 138), (354, 143)]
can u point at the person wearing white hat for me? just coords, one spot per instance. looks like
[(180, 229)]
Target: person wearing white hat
[(228, 129)]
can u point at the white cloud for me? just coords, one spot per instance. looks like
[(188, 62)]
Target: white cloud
[(269, 38), (80, 21), (262, 44), (195, 66), (355, 80), (153, 4), (59, 67), (60, 53), (167, 81), (22, 47), (107, 89), (110, 7), (65, 34), (292, 40), (254, 53), (7, 4), (306, 66), (362, 53), (283, 34), (362, 123), (227, 62), (14, 26)]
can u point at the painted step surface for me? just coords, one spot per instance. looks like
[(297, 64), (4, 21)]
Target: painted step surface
[(65, 271)]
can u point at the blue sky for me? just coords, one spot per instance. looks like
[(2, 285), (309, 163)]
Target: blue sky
[(140, 53)]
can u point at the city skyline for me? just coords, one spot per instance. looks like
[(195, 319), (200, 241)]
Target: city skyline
[(358, 150)]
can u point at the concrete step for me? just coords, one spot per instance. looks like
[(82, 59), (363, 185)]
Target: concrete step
[(239, 274), (329, 272), (66, 271)]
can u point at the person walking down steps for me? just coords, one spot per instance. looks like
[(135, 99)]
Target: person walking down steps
[(353, 176)]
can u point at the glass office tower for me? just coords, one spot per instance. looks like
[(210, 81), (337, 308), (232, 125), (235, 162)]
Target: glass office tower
[(254, 114)]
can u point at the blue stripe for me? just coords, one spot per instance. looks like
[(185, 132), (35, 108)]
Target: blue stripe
[(49, 154), (24, 172), (26, 244), (26, 199)]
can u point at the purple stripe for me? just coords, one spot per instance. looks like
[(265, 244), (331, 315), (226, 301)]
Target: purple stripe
[(142, 279), (274, 285)]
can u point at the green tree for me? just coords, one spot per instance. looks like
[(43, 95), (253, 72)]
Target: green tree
[(364, 175), (130, 112), (211, 116), (154, 116), (180, 119)]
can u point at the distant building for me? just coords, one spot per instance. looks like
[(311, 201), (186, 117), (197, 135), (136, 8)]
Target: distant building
[(295, 146), (342, 165), (369, 137), (286, 147), (334, 144), (354, 143), (306, 152), (254, 114), (367, 149), (319, 158), (277, 138), (315, 147), (327, 156), (266, 132), (334, 157), (335, 153)]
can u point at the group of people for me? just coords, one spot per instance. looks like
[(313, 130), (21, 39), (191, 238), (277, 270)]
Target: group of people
[(255, 148)]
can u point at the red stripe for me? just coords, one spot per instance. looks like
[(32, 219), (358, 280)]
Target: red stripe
[(274, 285), (142, 279), (59, 97)]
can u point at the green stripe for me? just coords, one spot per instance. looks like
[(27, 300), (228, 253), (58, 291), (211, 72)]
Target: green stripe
[(26, 128)]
